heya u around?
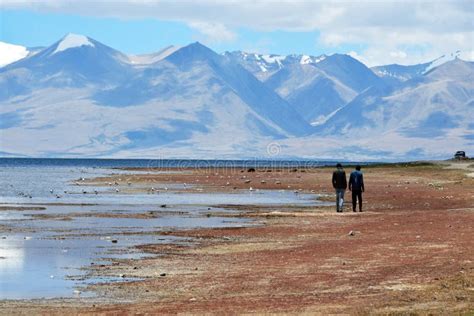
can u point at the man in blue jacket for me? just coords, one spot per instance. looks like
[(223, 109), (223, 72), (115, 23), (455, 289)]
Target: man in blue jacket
[(356, 185), (339, 182)]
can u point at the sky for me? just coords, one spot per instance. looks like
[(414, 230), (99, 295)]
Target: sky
[(375, 32)]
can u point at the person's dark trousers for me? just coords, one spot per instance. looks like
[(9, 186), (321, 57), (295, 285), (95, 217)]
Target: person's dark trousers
[(356, 194)]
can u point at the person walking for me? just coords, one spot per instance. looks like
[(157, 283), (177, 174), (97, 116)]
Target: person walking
[(339, 183), (356, 185)]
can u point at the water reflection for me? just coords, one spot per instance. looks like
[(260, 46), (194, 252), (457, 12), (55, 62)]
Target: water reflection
[(11, 259)]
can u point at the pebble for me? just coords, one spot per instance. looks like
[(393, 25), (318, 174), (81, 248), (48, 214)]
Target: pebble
[(162, 274), (351, 233)]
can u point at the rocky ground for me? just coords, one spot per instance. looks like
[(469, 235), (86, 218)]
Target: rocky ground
[(410, 252)]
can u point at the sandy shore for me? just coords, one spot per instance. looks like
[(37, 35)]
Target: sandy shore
[(410, 251)]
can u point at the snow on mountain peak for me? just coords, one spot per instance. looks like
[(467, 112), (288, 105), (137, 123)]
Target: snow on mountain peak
[(10, 53), (443, 59), (71, 41), (273, 59), (306, 59)]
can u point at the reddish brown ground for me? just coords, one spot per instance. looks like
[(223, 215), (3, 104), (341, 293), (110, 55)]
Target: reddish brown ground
[(411, 252)]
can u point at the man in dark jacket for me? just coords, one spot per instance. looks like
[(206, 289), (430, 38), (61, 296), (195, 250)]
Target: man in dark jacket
[(356, 185), (339, 182)]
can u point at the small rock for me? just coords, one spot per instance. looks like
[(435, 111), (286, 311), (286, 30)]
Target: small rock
[(163, 205), (114, 241), (192, 299), (278, 182), (351, 233), (247, 181), (162, 274)]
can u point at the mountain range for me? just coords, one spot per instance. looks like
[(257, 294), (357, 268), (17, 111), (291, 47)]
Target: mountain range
[(81, 98)]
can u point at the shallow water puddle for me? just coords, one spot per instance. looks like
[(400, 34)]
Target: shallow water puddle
[(43, 249)]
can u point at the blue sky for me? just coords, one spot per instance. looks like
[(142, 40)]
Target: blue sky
[(137, 36), (375, 32)]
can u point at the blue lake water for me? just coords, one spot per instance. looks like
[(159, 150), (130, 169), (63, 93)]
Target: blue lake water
[(159, 163)]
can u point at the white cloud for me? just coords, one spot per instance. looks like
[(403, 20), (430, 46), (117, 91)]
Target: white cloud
[(214, 31), (391, 31)]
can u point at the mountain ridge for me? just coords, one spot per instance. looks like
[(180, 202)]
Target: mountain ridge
[(79, 97)]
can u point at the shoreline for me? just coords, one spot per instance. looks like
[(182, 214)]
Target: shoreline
[(409, 252)]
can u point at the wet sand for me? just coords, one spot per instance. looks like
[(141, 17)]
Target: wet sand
[(410, 251)]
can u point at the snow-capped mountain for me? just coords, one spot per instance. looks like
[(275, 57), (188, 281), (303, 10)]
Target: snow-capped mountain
[(316, 86), (79, 97), (318, 90), (400, 73), (73, 60), (9, 53), (263, 66), (437, 104)]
